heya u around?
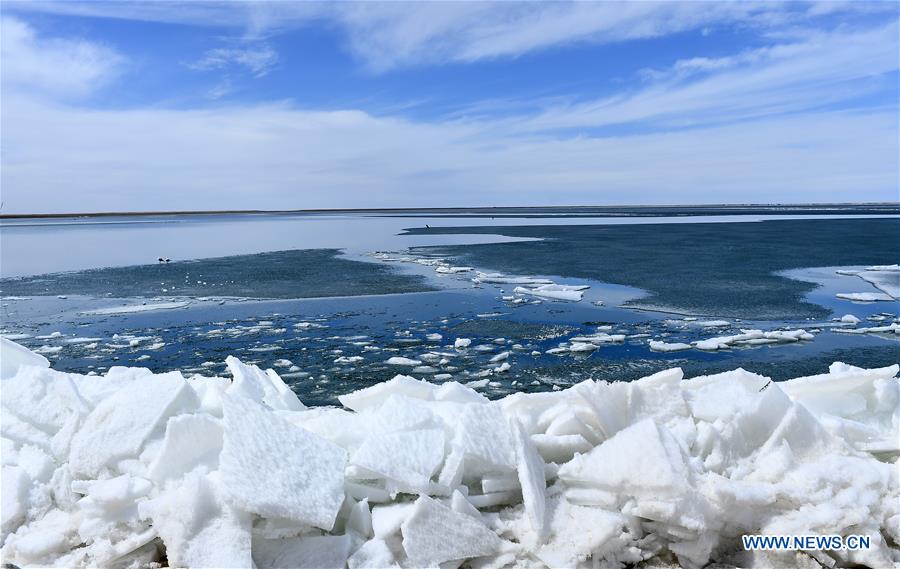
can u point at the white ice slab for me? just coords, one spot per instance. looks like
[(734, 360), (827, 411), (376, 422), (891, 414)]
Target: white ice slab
[(272, 468)]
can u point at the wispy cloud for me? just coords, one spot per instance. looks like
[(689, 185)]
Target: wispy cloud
[(57, 67), (772, 122), (388, 35), (257, 60), (69, 159), (823, 69)]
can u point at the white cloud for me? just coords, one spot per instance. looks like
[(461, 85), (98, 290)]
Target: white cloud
[(258, 60), (823, 69), (53, 66), (747, 126), (388, 35), (67, 159)]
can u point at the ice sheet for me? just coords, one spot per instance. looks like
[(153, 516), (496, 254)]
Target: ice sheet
[(118, 470)]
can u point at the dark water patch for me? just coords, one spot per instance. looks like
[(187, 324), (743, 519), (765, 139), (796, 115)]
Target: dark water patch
[(306, 273), (492, 327), (721, 269)]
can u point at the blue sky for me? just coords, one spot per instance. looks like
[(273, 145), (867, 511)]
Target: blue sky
[(177, 105)]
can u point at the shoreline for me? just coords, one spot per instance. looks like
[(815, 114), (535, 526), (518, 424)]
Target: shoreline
[(698, 209)]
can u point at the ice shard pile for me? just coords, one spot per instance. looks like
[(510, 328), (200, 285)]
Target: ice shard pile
[(133, 468)]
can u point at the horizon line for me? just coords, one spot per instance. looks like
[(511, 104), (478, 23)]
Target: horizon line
[(461, 209)]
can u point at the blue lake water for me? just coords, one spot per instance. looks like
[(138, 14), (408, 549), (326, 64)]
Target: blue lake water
[(342, 338)]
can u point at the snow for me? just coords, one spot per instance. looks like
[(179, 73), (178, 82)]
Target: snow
[(198, 527), (121, 469)]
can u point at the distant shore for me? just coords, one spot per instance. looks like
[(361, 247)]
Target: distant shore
[(580, 210)]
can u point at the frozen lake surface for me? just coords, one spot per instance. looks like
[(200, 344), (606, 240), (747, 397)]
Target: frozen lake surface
[(336, 303)]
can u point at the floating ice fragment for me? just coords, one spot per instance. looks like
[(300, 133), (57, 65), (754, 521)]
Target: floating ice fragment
[(659, 346), (554, 291), (401, 361), (864, 296), (497, 278), (136, 308)]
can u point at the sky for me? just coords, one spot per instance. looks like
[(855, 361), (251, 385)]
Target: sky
[(166, 105)]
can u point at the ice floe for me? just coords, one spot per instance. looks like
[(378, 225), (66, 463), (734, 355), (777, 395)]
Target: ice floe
[(893, 328), (133, 468), (498, 278), (132, 308), (572, 293), (659, 346), (401, 361), (864, 296), (752, 338)]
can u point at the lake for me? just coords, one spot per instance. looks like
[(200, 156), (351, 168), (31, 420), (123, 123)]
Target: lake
[(334, 302)]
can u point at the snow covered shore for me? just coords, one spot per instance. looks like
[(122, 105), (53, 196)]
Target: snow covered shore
[(135, 467)]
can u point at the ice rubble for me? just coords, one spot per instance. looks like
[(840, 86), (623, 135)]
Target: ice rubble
[(122, 469)]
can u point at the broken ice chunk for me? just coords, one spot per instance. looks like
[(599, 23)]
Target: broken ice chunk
[(118, 427), (313, 552), (375, 395), (373, 554), (13, 356), (483, 435), (190, 441), (531, 478), (434, 534), (262, 386), (640, 459), (409, 458), (274, 469)]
